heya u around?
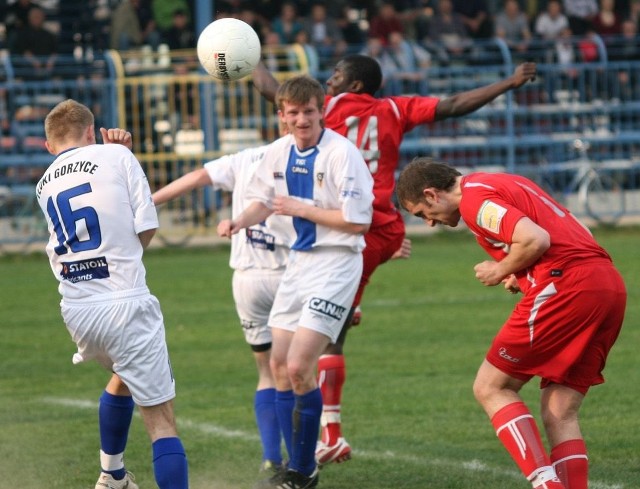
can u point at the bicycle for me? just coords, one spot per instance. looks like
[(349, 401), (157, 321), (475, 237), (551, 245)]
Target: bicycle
[(599, 193), (21, 222)]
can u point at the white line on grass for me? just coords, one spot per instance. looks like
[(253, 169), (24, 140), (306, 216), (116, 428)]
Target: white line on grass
[(212, 429)]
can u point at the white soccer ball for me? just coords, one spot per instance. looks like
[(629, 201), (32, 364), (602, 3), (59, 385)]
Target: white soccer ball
[(228, 49)]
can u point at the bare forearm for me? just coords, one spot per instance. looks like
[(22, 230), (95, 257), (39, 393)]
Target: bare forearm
[(466, 102), (256, 212), (332, 218), (264, 82), (181, 186), (529, 243), (520, 257)]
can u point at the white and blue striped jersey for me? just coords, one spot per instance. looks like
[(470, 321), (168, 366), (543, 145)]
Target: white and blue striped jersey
[(330, 175), (264, 246), (96, 200)]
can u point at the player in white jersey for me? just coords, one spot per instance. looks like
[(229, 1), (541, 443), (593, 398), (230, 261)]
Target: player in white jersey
[(100, 216), (258, 258), (321, 180)]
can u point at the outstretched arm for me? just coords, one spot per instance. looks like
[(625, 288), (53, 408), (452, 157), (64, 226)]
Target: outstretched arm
[(466, 102), (265, 82), (191, 181)]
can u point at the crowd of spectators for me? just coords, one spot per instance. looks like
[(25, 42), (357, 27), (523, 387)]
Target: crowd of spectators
[(406, 32), (407, 37)]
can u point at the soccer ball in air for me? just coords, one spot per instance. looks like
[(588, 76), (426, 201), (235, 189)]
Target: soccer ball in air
[(228, 49)]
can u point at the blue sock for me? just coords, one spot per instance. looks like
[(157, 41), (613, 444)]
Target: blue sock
[(306, 426), (114, 419), (268, 426), (170, 464), (284, 410)]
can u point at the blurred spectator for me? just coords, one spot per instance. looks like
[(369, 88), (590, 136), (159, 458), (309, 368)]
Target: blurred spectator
[(580, 13), (180, 34), (626, 48), (77, 26), (163, 11), (607, 21), (311, 54), (565, 49), (422, 20), (551, 22), (354, 26), (287, 24), (132, 25), (324, 35), (385, 22), (588, 47), (409, 64), (266, 9), (634, 12), (17, 15), (270, 45), (565, 77), (476, 17), (275, 57), (251, 17), (37, 46), (512, 26), (101, 23), (5, 125), (623, 8), (376, 49), (448, 38)]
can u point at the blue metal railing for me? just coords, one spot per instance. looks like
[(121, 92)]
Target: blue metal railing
[(522, 131)]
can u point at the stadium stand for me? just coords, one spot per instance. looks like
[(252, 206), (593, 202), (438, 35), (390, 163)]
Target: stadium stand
[(181, 117)]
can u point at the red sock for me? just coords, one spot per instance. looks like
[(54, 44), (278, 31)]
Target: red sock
[(571, 463), (519, 434), (331, 377)]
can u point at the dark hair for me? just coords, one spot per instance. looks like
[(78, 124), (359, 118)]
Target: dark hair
[(365, 69), (423, 173)]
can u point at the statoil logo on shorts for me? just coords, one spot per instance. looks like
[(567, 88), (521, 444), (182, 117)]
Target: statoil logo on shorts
[(83, 270)]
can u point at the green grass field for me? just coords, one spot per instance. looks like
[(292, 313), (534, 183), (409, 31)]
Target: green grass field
[(408, 409)]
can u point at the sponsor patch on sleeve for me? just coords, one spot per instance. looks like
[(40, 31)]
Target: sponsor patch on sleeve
[(490, 216)]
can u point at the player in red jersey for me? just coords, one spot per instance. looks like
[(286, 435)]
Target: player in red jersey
[(376, 126), (569, 317)]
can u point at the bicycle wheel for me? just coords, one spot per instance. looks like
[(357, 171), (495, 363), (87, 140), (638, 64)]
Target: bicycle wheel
[(177, 224), (603, 198)]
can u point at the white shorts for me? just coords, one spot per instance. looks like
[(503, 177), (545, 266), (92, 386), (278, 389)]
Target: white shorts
[(253, 292), (124, 332), (317, 290)]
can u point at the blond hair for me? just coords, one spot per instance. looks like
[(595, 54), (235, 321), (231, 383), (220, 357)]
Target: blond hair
[(299, 90), (67, 122)]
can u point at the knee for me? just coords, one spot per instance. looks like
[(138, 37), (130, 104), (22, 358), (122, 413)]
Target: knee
[(301, 376), (554, 417), (481, 391), (278, 368)]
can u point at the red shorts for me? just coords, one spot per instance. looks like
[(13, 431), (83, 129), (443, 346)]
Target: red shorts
[(562, 329), (382, 243)]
